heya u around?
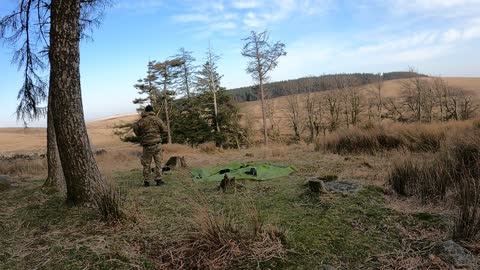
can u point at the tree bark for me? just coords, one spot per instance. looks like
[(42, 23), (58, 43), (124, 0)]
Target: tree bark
[(55, 178), (262, 97), (79, 167), (215, 107), (165, 104)]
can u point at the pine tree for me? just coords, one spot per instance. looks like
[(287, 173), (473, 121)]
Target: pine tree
[(167, 72), (208, 80), (148, 86), (186, 76)]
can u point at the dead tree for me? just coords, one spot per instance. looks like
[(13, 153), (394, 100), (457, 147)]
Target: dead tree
[(263, 57)]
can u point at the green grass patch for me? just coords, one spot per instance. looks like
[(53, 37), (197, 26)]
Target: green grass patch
[(38, 230)]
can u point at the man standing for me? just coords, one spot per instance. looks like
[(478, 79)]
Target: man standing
[(148, 129)]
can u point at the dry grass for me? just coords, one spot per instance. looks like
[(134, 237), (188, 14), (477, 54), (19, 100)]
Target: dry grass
[(208, 148), (456, 169), (37, 167), (220, 240), (375, 138), (110, 202)]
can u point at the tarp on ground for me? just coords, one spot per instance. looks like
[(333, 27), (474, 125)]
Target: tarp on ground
[(265, 171)]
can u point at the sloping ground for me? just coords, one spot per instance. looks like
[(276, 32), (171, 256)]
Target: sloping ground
[(33, 140), (252, 113)]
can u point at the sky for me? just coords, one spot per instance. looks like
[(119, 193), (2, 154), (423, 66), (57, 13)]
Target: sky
[(437, 37)]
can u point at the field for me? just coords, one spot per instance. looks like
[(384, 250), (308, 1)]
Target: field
[(276, 224)]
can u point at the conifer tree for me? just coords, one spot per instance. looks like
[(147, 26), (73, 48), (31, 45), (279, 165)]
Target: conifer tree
[(208, 79)]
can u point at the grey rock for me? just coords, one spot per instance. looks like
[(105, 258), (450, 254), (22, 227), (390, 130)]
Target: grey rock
[(342, 187), (5, 182), (327, 267), (457, 255)]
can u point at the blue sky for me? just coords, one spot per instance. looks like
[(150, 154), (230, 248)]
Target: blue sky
[(438, 37)]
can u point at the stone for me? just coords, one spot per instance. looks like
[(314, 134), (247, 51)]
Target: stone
[(5, 182), (457, 255), (342, 187), (327, 267)]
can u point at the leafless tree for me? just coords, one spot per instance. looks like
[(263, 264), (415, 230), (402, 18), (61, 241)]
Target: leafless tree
[(295, 113), (333, 107), (263, 57)]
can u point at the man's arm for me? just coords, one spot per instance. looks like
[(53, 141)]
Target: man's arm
[(137, 130), (161, 124)]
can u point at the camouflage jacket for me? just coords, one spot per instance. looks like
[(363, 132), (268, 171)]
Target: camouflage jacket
[(148, 129)]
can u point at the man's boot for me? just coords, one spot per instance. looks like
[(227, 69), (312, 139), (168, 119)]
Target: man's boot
[(146, 183), (159, 181)]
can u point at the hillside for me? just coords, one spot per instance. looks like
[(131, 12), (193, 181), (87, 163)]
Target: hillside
[(317, 84), (252, 110), (101, 131)]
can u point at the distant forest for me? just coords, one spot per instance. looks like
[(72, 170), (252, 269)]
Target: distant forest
[(317, 83)]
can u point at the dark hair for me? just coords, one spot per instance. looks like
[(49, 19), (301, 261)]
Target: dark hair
[(149, 108)]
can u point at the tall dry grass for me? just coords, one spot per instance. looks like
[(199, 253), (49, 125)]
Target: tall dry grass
[(220, 240), (37, 167), (374, 138), (454, 169)]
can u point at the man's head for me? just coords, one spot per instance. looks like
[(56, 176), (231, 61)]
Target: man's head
[(149, 108)]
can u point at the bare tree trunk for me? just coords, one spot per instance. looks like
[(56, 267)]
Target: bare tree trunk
[(79, 167), (216, 110), (262, 97), (167, 116), (55, 177)]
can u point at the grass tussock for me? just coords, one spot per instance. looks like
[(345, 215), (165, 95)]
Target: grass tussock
[(109, 201), (17, 167), (454, 169), (217, 240), (208, 148)]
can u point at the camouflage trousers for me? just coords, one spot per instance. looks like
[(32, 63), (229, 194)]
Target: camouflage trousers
[(152, 152)]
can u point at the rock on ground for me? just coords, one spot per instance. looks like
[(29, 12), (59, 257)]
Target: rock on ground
[(342, 187), (457, 255), (5, 182)]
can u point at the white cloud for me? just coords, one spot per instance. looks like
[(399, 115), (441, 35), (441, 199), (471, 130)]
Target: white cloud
[(188, 18), (251, 13), (246, 4), (452, 35)]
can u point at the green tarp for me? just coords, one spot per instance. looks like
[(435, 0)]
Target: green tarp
[(265, 171)]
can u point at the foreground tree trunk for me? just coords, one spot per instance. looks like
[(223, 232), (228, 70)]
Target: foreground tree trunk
[(79, 167), (55, 178)]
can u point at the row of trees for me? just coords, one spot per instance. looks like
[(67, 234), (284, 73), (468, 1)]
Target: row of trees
[(420, 99), (315, 84), (204, 103)]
